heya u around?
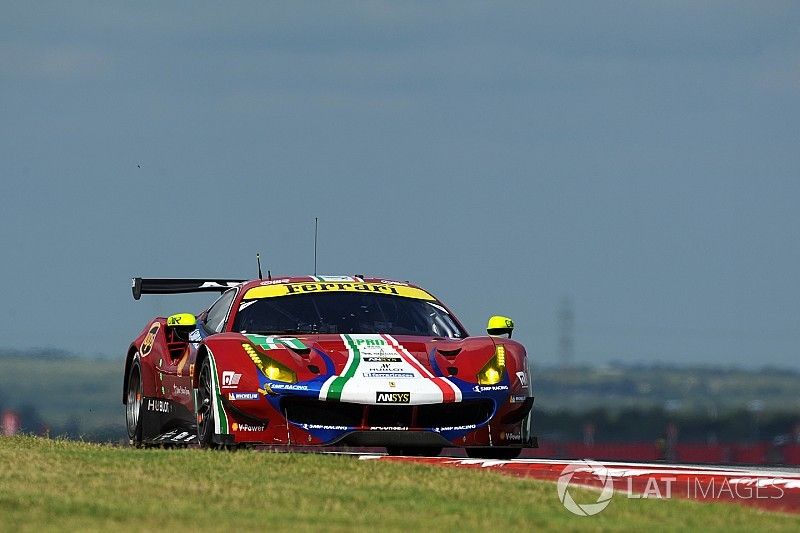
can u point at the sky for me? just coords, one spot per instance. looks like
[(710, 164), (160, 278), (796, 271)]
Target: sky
[(637, 158)]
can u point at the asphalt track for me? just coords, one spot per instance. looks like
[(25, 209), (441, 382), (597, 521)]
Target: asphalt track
[(776, 489)]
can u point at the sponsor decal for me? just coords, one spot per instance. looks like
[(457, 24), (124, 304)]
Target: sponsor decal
[(334, 278), (149, 340), (489, 388), (392, 397), (517, 399), (351, 383), (393, 282), (369, 341), (230, 379), (296, 288), (159, 406), (386, 367), (387, 374), (523, 378), (245, 304), (180, 390), (267, 291), (388, 428), (456, 428), (217, 285), (243, 396), (287, 386), (511, 437), (382, 359), (247, 427), (274, 282), (175, 436), (322, 426)]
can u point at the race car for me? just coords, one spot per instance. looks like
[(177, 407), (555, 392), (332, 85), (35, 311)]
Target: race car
[(321, 361)]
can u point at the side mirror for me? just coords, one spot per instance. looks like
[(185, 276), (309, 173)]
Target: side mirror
[(179, 326), (500, 325)]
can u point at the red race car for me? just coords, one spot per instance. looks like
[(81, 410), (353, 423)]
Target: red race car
[(325, 360)]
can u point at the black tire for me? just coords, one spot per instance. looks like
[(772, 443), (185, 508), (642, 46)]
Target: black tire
[(205, 409), (493, 453), (133, 403), (415, 451)]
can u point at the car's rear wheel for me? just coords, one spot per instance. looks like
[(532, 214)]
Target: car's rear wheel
[(415, 451), (205, 408), (494, 453), (133, 405)]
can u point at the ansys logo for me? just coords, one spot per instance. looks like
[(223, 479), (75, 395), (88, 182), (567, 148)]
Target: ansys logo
[(585, 467)]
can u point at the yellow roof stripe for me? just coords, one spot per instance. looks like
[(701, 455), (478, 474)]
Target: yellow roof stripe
[(288, 289)]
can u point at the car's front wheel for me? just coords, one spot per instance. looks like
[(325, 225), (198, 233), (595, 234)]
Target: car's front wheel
[(205, 408), (133, 405)]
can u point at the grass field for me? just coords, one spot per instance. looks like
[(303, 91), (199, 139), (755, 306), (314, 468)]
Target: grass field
[(64, 485)]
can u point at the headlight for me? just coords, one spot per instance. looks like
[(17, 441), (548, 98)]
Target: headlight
[(272, 369), (493, 371)]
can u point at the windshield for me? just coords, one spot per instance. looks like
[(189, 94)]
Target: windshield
[(345, 312)]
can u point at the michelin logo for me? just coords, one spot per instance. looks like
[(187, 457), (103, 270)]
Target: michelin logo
[(243, 396)]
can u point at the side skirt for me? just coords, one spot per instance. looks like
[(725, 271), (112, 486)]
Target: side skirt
[(167, 421)]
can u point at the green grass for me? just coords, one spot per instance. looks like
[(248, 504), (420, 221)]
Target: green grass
[(65, 485)]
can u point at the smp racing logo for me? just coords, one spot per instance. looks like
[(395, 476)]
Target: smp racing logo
[(392, 397)]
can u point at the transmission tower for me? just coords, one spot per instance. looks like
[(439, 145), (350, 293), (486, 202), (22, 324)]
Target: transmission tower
[(566, 332)]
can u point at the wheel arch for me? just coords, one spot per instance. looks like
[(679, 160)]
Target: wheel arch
[(202, 355), (132, 351)]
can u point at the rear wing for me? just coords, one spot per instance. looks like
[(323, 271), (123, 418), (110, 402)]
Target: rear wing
[(141, 286)]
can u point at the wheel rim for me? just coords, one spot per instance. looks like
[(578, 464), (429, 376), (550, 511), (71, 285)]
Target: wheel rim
[(134, 404), (204, 411)]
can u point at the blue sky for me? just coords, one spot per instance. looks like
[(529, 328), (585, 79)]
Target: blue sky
[(639, 158)]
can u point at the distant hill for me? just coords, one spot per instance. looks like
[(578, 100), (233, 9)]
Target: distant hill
[(63, 393), (690, 390)]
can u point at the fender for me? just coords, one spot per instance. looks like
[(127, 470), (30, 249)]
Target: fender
[(230, 359), (232, 372), (156, 342)]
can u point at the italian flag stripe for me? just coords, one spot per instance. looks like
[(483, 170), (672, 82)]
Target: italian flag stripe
[(220, 418), (272, 342), (353, 359), (448, 394)]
